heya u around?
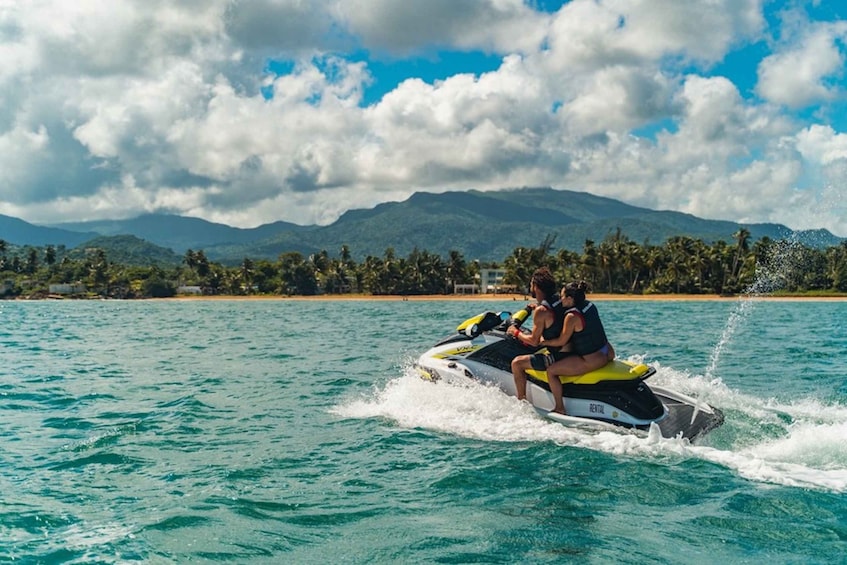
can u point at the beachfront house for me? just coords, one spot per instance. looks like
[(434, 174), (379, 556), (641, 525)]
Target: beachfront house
[(67, 288), (189, 289), (491, 281), (465, 288)]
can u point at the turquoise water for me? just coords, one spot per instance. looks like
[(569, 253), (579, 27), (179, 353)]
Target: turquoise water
[(294, 431)]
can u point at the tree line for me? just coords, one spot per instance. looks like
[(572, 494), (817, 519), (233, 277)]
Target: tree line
[(681, 265)]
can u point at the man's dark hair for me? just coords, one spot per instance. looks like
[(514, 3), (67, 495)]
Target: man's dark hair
[(544, 280)]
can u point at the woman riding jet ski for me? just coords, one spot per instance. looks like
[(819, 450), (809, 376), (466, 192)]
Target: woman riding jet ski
[(614, 395)]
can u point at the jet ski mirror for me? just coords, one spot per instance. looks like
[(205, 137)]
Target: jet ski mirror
[(481, 323), (489, 321)]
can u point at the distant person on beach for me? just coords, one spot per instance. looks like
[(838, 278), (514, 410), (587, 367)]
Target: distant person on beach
[(584, 337), (548, 315)]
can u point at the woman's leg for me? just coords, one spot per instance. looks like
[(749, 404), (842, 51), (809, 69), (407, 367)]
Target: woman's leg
[(570, 366), (556, 389)]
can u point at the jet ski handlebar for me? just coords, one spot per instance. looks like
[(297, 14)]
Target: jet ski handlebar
[(519, 317)]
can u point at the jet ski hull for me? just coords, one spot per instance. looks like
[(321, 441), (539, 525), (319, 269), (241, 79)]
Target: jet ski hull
[(615, 396)]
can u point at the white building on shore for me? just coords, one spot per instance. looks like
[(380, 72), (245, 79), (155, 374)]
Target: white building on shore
[(491, 282), (67, 288)]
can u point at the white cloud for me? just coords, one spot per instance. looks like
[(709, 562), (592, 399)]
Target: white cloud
[(619, 98), (111, 108), (714, 119), (724, 154), (821, 144), (414, 25), (117, 37), (800, 74), (591, 34), (824, 154), (20, 149), (273, 26)]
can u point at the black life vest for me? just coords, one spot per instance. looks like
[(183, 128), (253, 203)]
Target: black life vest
[(553, 330), (592, 337)]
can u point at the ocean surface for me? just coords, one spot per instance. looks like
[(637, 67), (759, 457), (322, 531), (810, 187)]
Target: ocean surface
[(274, 431)]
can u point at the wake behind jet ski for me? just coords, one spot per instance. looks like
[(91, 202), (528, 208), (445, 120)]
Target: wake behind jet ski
[(612, 396)]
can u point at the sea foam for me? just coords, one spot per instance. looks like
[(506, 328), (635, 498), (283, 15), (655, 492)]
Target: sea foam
[(797, 444)]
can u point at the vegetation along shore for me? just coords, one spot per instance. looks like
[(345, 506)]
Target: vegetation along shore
[(617, 266)]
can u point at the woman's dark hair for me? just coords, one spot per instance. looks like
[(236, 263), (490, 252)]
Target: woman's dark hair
[(544, 280), (576, 290)]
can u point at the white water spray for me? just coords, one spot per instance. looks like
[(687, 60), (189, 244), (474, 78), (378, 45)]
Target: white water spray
[(772, 274), (739, 314)]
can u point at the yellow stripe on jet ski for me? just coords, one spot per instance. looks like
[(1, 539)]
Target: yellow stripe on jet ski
[(617, 370), (465, 349)]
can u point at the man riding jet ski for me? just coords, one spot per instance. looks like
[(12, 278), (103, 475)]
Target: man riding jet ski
[(614, 395)]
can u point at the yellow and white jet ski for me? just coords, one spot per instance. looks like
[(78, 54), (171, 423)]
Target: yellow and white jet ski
[(613, 396)]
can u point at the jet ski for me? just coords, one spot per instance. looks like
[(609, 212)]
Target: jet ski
[(614, 396)]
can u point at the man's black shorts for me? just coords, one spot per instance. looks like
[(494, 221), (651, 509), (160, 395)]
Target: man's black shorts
[(540, 361)]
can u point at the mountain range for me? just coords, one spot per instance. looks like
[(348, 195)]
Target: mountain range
[(481, 225)]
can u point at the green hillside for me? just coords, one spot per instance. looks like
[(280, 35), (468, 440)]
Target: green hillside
[(486, 226), (489, 225), (18, 232), (128, 250), (178, 232)]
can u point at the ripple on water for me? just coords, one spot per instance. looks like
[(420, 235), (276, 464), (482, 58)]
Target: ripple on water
[(184, 431)]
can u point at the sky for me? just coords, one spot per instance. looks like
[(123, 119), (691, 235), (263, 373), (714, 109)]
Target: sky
[(246, 112)]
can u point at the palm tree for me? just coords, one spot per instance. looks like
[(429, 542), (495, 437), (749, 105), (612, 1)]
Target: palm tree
[(413, 270), (653, 257), (837, 266), (678, 248), (589, 262), (246, 275), (3, 261), (202, 264), (31, 261), (518, 268), (719, 258), (564, 265), (369, 275), (50, 255), (633, 261), (607, 261), (190, 260), (346, 268), (457, 269), (99, 272), (742, 238), (698, 262), (391, 276), (297, 274), (434, 274)]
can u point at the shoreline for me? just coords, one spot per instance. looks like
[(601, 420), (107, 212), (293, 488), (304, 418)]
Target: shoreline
[(599, 297)]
